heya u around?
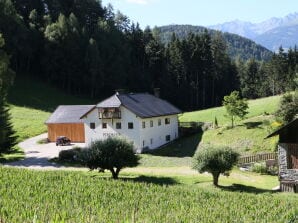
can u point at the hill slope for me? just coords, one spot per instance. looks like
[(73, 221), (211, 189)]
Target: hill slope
[(248, 136), (32, 102), (237, 45)]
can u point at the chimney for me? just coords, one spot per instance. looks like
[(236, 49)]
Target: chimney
[(156, 92)]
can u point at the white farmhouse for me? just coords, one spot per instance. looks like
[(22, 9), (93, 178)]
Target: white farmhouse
[(148, 121)]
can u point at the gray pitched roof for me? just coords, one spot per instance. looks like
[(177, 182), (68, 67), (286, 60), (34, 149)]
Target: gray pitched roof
[(143, 105), (68, 114), (146, 105), (111, 102)]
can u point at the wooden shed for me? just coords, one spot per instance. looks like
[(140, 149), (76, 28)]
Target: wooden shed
[(65, 121), (288, 156)]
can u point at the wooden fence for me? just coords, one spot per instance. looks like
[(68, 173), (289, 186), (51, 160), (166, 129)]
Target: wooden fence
[(190, 124), (257, 158)]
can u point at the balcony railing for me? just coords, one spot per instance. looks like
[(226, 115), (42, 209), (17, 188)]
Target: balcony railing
[(109, 113)]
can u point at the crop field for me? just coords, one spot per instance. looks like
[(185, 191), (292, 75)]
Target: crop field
[(33, 196)]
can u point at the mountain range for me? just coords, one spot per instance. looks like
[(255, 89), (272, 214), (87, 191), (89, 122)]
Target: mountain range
[(272, 33)]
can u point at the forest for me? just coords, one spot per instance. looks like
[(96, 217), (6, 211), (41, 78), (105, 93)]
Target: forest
[(90, 50), (237, 46)]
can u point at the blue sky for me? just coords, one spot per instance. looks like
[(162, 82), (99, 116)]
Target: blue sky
[(201, 12)]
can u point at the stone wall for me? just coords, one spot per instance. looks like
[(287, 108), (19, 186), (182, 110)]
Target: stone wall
[(286, 176)]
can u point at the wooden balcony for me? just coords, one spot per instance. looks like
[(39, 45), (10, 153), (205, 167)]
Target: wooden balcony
[(109, 113)]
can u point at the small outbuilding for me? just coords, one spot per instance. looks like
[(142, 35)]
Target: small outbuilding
[(65, 121), (288, 156)]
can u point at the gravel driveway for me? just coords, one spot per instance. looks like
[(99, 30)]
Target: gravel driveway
[(37, 155)]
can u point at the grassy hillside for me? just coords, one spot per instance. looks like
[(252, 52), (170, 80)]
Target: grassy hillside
[(32, 102), (33, 196), (248, 135), (256, 107)]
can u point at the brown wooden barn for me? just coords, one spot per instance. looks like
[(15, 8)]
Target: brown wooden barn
[(288, 156), (65, 121)]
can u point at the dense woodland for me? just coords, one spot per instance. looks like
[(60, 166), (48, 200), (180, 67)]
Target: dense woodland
[(90, 50), (237, 46)]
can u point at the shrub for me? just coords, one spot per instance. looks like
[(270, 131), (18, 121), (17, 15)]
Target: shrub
[(262, 168), (214, 160), (112, 154), (259, 168), (70, 154)]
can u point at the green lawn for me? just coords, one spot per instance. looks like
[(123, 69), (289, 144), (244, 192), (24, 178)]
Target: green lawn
[(256, 107), (49, 196), (245, 139), (248, 135), (28, 122), (32, 102)]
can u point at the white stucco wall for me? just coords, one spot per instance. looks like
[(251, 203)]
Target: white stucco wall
[(137, 135), (158, 133)]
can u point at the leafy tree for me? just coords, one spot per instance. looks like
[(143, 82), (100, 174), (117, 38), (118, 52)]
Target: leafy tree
[(235, 106), (288, 108), (112, 154), (214, 160), (7, 137)]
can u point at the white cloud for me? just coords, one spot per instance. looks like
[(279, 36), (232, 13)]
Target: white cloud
[(140, 2)]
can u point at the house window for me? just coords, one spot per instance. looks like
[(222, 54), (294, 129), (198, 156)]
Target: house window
[(168, 138), (92, 125), (130, 125), (167, 121), (143, 143), (151, 141), (143, 125), (151, 123), (104, 125), (118, 125), (159, 121)]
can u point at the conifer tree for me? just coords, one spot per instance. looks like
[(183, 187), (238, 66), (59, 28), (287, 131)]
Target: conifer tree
[(7, 137)]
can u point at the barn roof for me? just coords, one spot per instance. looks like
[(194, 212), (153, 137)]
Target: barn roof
[(143, 105), (68, 114), (285, 129)]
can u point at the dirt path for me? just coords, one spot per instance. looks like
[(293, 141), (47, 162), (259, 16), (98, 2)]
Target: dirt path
[(37, 155)]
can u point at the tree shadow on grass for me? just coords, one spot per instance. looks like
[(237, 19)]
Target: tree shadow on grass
[(253, 125), (141, 179), (245, 188), (14, 156), (153, 180), (182, 147)]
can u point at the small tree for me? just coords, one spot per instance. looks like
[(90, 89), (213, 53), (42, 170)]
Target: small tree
[(288, 107), (214, 160), (235, 106), (112, 154), (215, 123)]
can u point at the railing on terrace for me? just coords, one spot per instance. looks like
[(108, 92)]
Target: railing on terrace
[(190, 124), (189, 128), (257, 158)]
